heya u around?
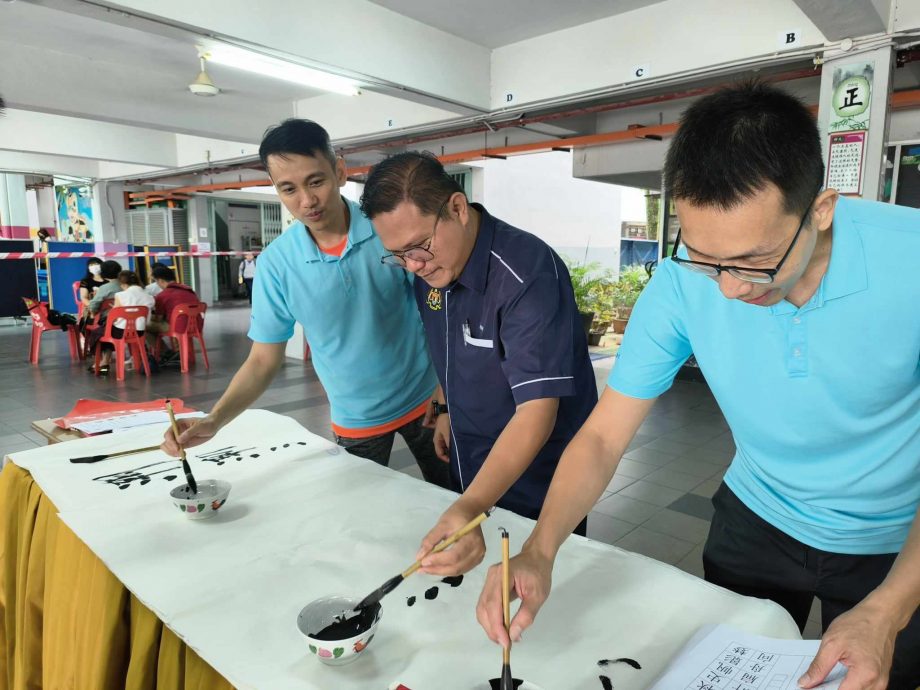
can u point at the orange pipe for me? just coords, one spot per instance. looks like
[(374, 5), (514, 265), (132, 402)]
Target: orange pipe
[(899, 101)]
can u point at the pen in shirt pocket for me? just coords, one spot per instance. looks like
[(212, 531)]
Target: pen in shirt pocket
[(467, 333)]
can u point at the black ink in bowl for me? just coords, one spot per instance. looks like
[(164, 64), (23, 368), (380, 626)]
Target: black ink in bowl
[(344, 627)]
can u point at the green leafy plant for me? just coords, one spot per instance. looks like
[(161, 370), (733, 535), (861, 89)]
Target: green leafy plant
[(594, 292), (627, 289), (584, 283)]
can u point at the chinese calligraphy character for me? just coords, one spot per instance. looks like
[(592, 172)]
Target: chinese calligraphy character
[(850, 100), (220, 456), (126, 478)]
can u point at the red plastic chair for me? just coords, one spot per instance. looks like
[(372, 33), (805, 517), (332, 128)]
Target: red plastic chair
[(76, 298), (40, 325), (185, 324), (131, 338)]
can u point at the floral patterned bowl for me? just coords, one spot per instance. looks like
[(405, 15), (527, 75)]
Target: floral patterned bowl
[(323, 612), (212, 494)]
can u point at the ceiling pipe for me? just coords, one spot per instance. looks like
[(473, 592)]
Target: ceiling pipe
[(494, 125), (902, 100)]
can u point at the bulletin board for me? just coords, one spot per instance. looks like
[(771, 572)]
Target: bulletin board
[(18, 279), (62, 273)]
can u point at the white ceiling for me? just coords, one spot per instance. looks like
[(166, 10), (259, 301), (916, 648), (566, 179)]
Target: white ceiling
[(494, 23), (59, 62), (57, 58)]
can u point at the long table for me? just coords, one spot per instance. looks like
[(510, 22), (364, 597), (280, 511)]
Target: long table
[(106, 585)]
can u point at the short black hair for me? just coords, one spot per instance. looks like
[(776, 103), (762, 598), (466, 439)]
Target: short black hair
[(299, 136), (731, 144), (110, 269), (162, 272), (414, 176)]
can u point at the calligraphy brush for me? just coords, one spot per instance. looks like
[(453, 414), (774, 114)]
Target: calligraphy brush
[(192, 484), (106, 456), (506, 683), (391, 584)]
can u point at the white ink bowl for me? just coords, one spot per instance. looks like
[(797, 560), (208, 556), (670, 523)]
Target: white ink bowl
[(321, 613), (212, 494)]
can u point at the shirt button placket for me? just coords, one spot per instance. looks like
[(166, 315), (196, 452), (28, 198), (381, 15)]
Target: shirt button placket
[(345, 275), (797, 360)]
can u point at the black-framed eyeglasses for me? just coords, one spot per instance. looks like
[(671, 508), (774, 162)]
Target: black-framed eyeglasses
[(751, 275), (420, 252)]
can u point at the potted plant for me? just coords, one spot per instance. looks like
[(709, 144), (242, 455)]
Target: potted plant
[(625, 293), (603, 305), (584, 284)]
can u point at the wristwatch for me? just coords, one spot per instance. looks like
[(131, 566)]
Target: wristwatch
[(437, 408)]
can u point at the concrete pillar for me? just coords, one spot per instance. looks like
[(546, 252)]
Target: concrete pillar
[(853, 118), (200, 235), (14, 210)]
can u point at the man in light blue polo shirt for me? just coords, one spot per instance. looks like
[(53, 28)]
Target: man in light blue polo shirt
[(365, 335), (805, 324)]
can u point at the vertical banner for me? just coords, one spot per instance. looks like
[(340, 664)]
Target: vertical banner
[(848, 126)]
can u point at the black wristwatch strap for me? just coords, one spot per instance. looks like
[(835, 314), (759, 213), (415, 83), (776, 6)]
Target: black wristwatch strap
[(437, 408)]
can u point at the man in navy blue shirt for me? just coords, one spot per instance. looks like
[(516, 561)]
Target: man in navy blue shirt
[(511, 356)]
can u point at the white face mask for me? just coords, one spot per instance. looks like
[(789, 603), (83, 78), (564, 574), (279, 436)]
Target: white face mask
[(95, 269)]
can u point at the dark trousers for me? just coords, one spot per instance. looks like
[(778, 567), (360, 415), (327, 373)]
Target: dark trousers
[(420, 441), (748, 555), (248, 283)]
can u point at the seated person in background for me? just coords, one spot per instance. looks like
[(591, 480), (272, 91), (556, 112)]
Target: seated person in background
[(109, 271), (131, 295), (92, 281), (89, 283), (171, 295), (153, 288)]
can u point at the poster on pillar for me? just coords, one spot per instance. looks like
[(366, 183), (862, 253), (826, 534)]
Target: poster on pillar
[(852, 97), (75, 212), (849, 126)]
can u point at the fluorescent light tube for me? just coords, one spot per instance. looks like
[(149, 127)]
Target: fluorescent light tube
[(280, 69)]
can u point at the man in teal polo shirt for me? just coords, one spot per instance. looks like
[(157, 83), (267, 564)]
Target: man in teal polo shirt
[(802, 312), (365, 335)]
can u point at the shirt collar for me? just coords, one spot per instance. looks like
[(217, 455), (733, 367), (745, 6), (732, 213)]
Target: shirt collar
[(476, 272), (846, 271), (359, 230)]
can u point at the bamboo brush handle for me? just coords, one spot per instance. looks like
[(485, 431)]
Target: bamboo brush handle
[(506, 594), (175, 426), (133, 451), (456, 536)]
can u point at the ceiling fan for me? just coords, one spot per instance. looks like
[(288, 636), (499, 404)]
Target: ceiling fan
[(203, 86)]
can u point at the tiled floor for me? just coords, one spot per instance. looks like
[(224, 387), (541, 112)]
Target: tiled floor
[(657, 504)]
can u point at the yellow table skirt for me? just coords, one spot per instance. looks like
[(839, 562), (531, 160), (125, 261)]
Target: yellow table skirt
[(66, 622)]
